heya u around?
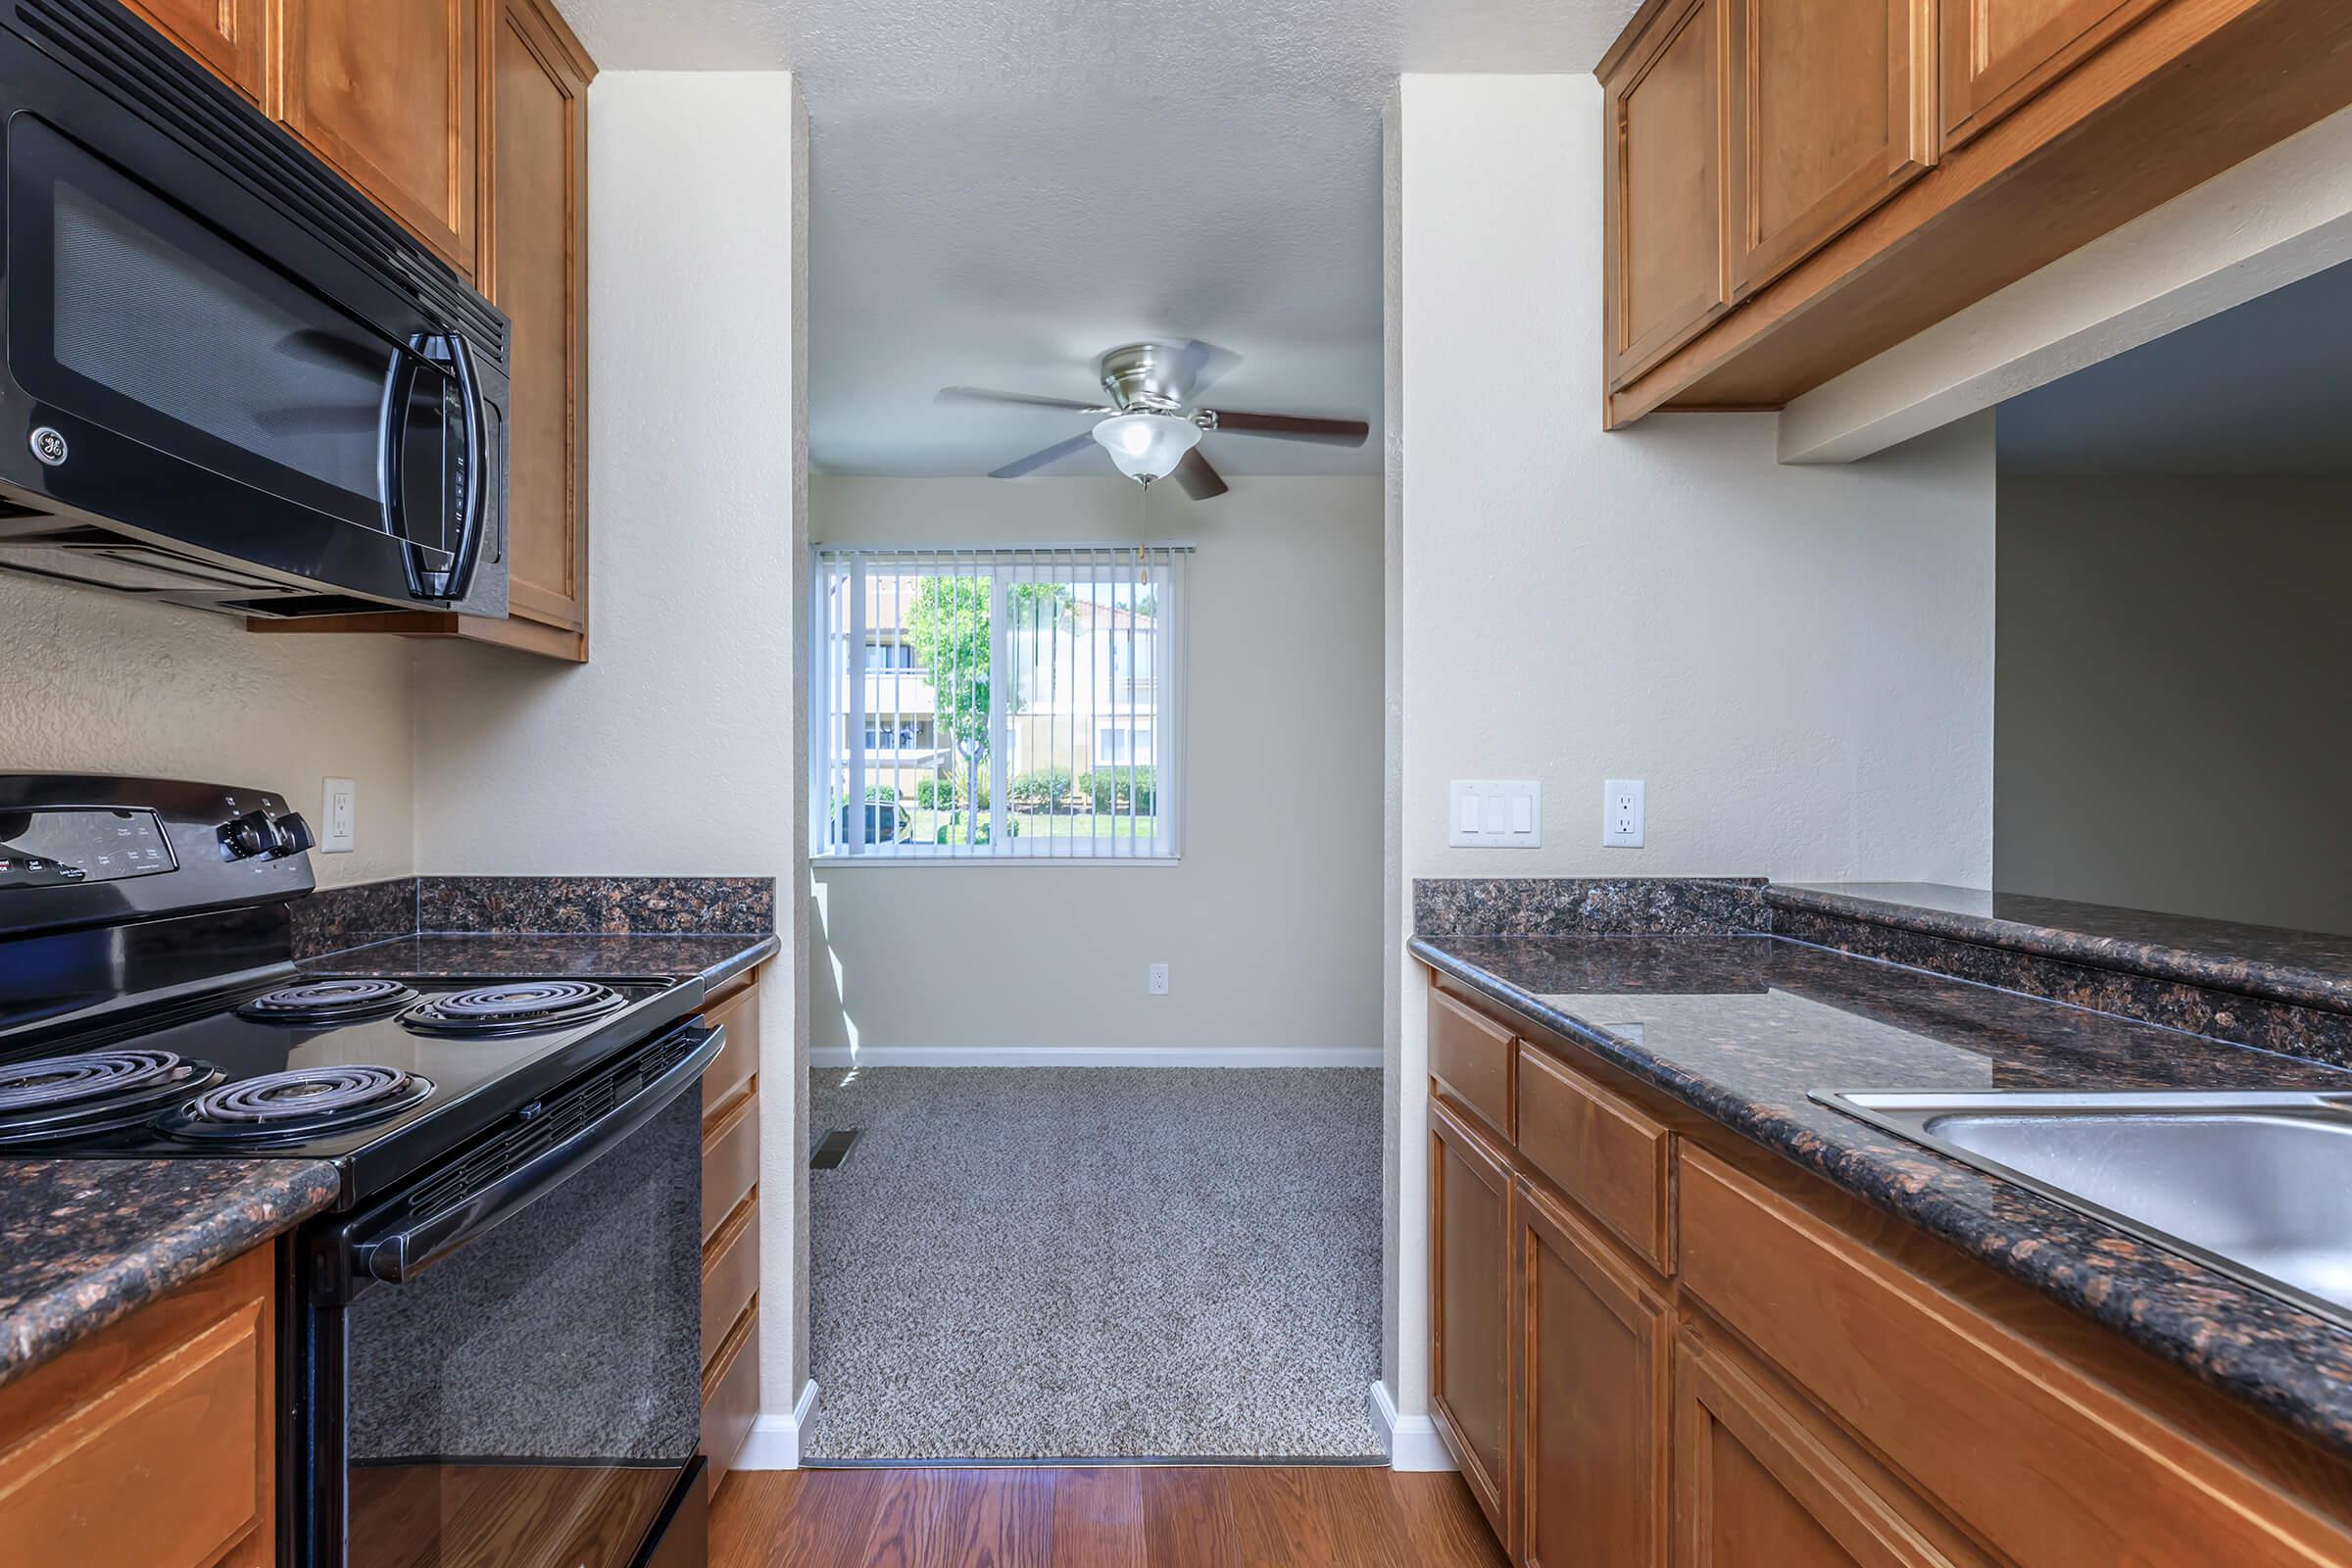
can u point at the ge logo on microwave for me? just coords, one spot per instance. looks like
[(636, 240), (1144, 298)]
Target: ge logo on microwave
[(49, 446)]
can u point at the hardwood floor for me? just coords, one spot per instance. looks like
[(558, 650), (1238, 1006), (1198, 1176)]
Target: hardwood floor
[(1126, 1517)]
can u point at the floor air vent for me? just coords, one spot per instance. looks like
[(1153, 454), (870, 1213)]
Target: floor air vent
[(833, 1148)]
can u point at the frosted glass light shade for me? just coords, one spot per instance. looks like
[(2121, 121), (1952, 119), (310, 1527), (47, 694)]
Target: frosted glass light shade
[(1146, 446)]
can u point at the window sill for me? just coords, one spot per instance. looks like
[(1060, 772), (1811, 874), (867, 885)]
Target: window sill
[(834, 862)]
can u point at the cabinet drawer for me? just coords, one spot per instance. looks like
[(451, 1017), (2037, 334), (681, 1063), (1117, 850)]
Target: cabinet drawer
[(162, 1469), (731, 1394), (731, 1162), (730, 1274), (2050, 1468), (1471, 1055), (739, 1059), (1601, 1152)]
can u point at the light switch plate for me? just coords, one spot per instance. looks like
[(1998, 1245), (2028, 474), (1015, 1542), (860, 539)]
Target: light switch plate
[(338, 816), (1496, 813)]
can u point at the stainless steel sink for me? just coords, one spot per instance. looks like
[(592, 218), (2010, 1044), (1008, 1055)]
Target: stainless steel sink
[(2258, 1186)]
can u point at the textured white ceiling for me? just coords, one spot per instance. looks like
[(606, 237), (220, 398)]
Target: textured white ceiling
[(1004, 188)]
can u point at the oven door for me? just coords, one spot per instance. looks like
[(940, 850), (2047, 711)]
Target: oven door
[(503, 1360)]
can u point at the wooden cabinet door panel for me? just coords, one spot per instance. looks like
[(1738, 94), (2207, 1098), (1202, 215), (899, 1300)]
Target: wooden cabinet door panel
[(1591, 1351), (1664, 192), (1759, 1486), (1469, 1308), (1998, 53), (537, 272), (1830, 104), (225, 37), (387, 94)]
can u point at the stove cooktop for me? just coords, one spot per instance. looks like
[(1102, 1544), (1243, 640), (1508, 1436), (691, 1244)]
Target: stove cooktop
[(380, 1075)]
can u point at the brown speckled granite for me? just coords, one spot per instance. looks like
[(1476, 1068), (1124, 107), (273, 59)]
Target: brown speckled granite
[(2311, 968), (1567, 907), (610, 905), (336, 918), (2243, 998), (84, 1242), (1742, 1028), (352, 916), (459, 956)]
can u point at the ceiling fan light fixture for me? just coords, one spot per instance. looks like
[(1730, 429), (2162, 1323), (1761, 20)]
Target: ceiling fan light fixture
[(1146, 446)]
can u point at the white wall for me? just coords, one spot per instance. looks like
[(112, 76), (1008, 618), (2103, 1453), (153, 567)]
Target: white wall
[(95, 683), (1798, 662), (2172, 670), (1270, 923), (676, 751)]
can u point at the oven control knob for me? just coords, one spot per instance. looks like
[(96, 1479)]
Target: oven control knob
[(294, 834), (249, 835)]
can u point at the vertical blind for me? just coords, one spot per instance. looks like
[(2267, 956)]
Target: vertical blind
[(998, 704)]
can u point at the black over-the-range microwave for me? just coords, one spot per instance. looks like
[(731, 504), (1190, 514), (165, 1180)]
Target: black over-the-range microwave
[(231, 381)]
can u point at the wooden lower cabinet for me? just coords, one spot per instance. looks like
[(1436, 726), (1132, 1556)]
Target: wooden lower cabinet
[(153, 1442), (1590, 1360), (1801, 1380), (1469, 1309), (731, 1227), (1758, 1485)]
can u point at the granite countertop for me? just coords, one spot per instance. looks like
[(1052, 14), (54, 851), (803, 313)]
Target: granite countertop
[(1743, 1027), (587, 957), (84, 1242), (2310, 968)]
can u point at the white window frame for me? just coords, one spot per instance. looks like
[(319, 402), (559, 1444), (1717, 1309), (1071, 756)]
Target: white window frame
[(837, 690)]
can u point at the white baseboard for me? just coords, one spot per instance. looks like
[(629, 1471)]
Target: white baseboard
[(1412, 1441), (774, 1441), (1094, 1056)]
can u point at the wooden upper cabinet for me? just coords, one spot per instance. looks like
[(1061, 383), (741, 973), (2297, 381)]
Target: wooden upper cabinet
[(1832, 112), (536, 245), (1593, 1348), (1664, 189), (1469, 1311), (1998, 53), (387, 93), (225, 37)]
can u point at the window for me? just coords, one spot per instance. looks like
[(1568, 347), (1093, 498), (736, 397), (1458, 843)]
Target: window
[(998, 705), (1123, 743)]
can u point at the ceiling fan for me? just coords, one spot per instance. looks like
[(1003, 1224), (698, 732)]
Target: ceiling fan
[(1150, 424)]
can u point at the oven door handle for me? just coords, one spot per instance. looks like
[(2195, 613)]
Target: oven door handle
[(399, 1256)]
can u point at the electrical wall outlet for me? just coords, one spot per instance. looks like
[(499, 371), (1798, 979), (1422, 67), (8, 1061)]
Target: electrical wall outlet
[(1158, 980), (338, 817), (1496, 813), (1621, 813)]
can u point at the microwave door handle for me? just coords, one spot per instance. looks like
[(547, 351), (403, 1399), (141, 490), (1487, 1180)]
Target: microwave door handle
[(400, 381), (398, 1256), (453, 581)]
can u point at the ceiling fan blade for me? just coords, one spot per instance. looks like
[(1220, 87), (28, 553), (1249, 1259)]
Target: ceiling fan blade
[(1293, 427), (982, 394), (1200, 482), (1038, 459)]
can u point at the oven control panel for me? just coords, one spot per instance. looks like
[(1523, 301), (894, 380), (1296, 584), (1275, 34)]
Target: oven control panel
[(69, 846), (90, 848)]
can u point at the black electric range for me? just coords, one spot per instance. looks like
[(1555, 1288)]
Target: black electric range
[(493, 1341)]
